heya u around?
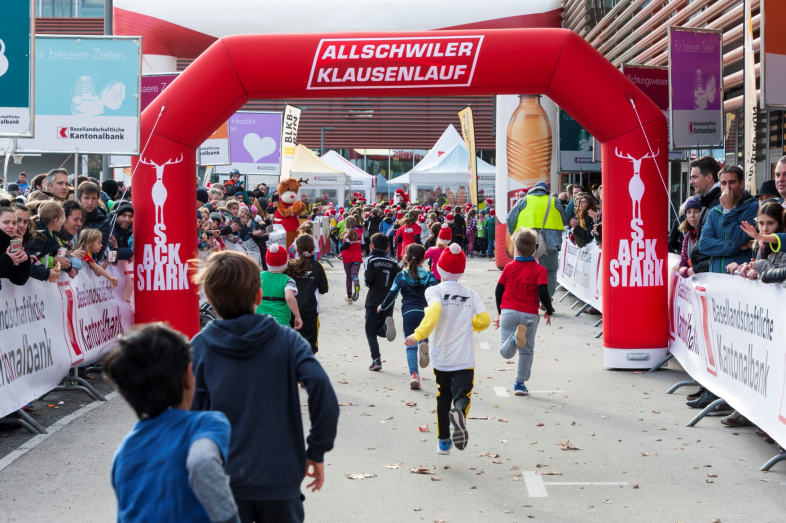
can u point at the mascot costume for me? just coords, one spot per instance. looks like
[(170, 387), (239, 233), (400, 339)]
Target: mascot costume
[(401, 198), (289, 207)]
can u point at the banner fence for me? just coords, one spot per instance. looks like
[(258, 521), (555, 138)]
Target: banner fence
[(579, 272)]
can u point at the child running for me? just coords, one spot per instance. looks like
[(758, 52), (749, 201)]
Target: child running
[(379, 274), (279, 291), (453, 313), (412, 283), (443, 238), (170, 467), (90, 242), (520, 286), (407, 234), (352, 256), (311, 281)]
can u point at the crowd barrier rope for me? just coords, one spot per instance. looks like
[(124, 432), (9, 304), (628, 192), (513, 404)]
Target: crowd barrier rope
[(728, 334), (48, 329)]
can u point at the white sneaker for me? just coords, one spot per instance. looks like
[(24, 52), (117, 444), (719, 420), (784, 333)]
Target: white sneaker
[(423, 356), (390, 325), (414, 382)]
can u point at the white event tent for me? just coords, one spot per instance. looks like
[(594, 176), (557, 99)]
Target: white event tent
[(325, 183), (361, 181), (442, 175)]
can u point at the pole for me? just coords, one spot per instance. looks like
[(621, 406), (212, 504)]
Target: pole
[(321, 142), (389, 176), (108, 30), (76, 176)]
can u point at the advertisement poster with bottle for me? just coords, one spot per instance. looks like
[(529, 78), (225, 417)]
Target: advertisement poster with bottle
[(695, 87), (773, 54), (576, 146), (525, 156), (88, 95), (255, 142), (17, 34)]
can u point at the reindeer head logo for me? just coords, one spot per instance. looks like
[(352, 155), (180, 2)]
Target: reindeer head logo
[(159, 190), (636, 185)]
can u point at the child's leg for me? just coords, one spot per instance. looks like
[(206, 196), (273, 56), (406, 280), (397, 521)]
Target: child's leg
[(527, 353), (509, 320), (444, 399), (355, 277), (373, 329), (461, 389), (348, 272), (412, 320)]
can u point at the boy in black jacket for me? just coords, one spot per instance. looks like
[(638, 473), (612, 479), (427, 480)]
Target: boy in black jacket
[(379, 273), (248, 367)]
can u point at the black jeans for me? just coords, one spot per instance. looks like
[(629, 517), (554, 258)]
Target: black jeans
[(286, 511), (454, 387), (376, 328)]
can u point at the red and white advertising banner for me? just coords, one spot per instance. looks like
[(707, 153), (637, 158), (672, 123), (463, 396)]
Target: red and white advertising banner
[(773, 54), (579, 272), (47, 329), (728, 333)]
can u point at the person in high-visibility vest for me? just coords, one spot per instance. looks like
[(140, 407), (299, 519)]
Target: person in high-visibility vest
[(530, 212)]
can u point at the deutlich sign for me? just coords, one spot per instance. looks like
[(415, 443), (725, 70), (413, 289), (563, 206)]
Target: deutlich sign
[(375, 63)]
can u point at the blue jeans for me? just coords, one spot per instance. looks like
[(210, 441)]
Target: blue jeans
[(412, 319), (490, 249)]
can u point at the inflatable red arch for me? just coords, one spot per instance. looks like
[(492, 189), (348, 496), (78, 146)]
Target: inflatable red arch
[(552, 62)]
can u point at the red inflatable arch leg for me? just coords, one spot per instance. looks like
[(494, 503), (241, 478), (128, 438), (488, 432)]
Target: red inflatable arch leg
[(554, 62)]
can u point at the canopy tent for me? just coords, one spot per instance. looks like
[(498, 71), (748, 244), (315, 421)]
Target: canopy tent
[(446, 180), (449, 139), (324, 183), (360, 180)]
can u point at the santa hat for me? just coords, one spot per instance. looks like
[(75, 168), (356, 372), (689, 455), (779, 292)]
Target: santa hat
[(489, 201), (422, 218), (492, 212), (449, 218), (452, 263), (399, 215), (446, 208), (468, 206), (341, 209), (427, 208), (330, 204), (276, 258), (445, 234)]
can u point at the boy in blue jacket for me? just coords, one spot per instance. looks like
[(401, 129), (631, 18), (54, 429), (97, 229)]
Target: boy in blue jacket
[(722, 238), (248, 366)]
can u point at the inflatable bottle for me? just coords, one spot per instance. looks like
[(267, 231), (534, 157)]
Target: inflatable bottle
[(461, 196), (528, 150), (450, 197)]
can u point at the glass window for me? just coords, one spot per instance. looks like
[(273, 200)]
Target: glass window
[(69, 8)]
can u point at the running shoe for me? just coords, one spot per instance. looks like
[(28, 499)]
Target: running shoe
[(29, 408), (414, 383), (735, 419), (697, 394), (460, 434), (702, 401), (521, 336), (356, 294), (443, 446), (519, 389), (390, 328), (376, 365), (423, 356), (349, 300)]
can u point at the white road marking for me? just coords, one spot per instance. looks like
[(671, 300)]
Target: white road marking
[(40, 438), (584, 483), (501, 391), (535, 486), (545, 391), (484, 345)]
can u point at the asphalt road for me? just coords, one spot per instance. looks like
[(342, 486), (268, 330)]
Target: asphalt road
[(635, 459)]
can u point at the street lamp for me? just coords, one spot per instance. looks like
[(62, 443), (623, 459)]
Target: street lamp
[(322, 139)]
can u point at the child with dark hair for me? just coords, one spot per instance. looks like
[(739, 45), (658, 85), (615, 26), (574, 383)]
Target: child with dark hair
[(380, 271), (352, 256), (522, 283), (412, 283), (311, 281), (769, 252), (14, 266), (170, 467), (248, 366)]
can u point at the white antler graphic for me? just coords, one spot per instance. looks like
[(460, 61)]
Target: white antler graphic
[(159, 190), (636, 185)]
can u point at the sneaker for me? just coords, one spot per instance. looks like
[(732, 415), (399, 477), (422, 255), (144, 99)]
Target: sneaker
[(414, 383), (521, 336), (443, 447), (520, 389), (376, 365), (735, 419), (697, 394), (460, 434), (390, 326), (702, 401), (423, 356), (28, 408), (349, 300), (356, 294), (721, 409)]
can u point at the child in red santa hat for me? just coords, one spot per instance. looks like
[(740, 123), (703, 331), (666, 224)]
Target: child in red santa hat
[(453, 313), (442, 242), (279, 290)]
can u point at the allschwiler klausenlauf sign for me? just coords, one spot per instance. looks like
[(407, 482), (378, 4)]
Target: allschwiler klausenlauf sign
[(354, 63)]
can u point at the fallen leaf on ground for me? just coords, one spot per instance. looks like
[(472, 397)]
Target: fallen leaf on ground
[(389, 417), (709, 481), (394, 466), (573, 423), (365, 414), (479, 472), (421, 470), (411, 404), (565, 445), (548, 473), (635, 486), (342, 404), (435, 479), (475, 417), (643, 453), (539, 424), (503, 420), (656, 411), (439, 521), (712, 475), (361, 476), (497, 462), (606, 500), (508, 512), (638, 372)]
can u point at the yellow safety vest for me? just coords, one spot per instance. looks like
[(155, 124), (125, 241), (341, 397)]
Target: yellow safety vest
[(532, 215)]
